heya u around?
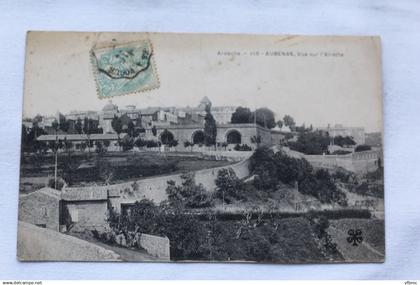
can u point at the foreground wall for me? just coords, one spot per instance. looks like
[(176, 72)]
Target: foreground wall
[(156, 246), (38, 244), (358, 162)]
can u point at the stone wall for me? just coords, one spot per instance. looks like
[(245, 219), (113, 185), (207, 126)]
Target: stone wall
[(358, 162), (156, 246), (38, 244), (41, 207), (184, 133), (154, 188), (86, 214)]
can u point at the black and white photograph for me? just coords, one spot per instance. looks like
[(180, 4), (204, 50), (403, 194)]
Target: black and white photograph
[(167, 147)]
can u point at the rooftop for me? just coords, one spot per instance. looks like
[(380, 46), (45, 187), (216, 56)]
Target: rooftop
[(84, 194), (80, 137)]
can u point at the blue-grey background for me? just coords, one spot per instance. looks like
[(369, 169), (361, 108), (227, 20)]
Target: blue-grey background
[(397, 22)]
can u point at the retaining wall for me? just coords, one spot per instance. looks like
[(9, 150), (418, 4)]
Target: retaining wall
[(156, 246), (39, 244), (154, 188), (358, 162)]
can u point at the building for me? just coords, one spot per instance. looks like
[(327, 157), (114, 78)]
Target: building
[(230, 134), (74, 115), (86, 208), (105, 118), (357, 133), (41, 208), (79, 139)]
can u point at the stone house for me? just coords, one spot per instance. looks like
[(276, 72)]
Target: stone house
[(85, 208), (41, 208)]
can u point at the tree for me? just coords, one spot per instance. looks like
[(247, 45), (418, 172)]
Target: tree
[(90, 126), (105, 170), (131, 130), (263, 166), (68, 145), (210, 128), (362, 147), (29, 139), (228, 184), (78, 126), (289, 122), (140, 143), (188, 194), (107, 143), (117, 125), (154, 131), (127, 143), (173, 143), (83, 146), (315, 142), (99, 147), (187, 144), (63, 123), (55, 145), (280, 123), (265, 118), (343, 141), (55, 126), (242, 116)]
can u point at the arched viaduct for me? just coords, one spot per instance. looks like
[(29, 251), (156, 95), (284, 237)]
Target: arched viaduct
[(226, 133)]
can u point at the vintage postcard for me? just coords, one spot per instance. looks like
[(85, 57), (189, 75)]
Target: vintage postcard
[(223, 148)]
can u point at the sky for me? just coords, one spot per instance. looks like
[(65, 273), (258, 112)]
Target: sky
[(316, 80)]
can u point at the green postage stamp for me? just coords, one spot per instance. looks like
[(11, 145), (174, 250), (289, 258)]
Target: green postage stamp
[(124, 69)]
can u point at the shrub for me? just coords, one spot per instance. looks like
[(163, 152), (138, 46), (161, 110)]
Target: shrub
[(341, 152), (315, 142), (228, 184), (60, 183), (127, 143), (342, 141), (270, 168), (188, 194), (243, 147), (140, 143), (185, 232), (151, 143), (362, 147), (263, 166)]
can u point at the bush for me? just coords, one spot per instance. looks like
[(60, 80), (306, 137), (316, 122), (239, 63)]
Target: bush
[(341, 152), (151, 143), (362, 147), (243, 147), (188, 194), (185, 232), (60, 183), (228, 185), (127, 143), (370, 189), (269, 169), (263, 166), (315, 142), (140, 143), (343, 141), (323, 188)]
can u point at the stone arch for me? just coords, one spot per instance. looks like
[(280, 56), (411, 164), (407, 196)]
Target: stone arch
[(233, 137), (197, 137), (166, 136)]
